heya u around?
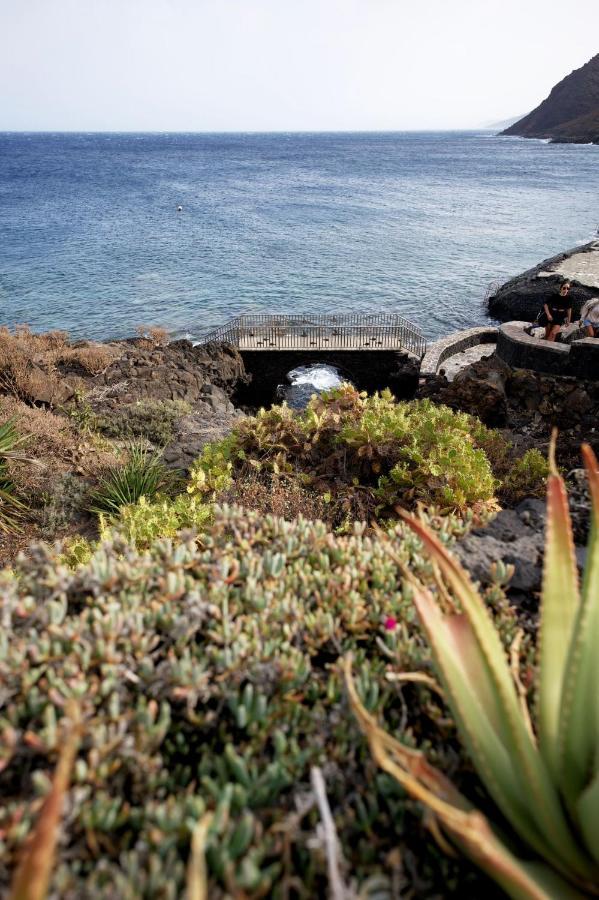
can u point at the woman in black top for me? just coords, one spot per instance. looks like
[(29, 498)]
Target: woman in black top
[(556, 312)]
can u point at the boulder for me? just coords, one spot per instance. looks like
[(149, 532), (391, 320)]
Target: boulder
[(478, 389), (193, 432), (522, 297)]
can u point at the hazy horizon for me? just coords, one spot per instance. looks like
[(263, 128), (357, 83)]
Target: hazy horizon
[(271, 66)]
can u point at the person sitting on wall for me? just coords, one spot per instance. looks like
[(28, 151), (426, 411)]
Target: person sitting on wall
[(556, 312), (589, 317)]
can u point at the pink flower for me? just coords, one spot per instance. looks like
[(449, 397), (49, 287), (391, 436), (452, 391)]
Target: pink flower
[(390, 623)]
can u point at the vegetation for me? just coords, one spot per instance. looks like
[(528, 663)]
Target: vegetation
[(11, 507), (144, 522), (143, 475), (207, 678), (153, 420), (542, 771), (367, 455), (32, 365)]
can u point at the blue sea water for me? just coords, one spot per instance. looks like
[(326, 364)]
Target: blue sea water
[(417, 223)]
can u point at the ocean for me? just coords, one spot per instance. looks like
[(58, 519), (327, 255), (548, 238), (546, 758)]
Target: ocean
[(92, 242)]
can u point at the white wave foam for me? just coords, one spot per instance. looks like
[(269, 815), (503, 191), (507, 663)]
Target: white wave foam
[(321, 377)]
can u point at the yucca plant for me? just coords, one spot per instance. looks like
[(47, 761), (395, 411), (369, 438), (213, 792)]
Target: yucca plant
[(12, 509), (143, 475), (540, 768)]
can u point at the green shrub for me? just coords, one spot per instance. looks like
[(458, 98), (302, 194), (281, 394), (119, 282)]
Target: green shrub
[(368, 454), (144, 522), (208, 677), (526, 478), (76, 551), (150, 419), (143, 475)]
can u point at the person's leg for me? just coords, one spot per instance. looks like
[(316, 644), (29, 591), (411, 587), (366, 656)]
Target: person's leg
[(548, 330), (589, 331), (554, 331)]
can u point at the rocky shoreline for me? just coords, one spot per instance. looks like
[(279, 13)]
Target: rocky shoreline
[(522, 297)]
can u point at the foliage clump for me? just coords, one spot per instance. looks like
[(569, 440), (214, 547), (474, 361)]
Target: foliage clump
[(143, 475), (147, 521), (153, 420), (208, 678), (366, 455), (526, 478), (32, 365)]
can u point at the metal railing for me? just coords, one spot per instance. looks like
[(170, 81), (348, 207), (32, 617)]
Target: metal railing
[(351, 331)]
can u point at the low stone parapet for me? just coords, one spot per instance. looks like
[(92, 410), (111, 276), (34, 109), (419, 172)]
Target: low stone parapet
[(521, 351), (442, 350)]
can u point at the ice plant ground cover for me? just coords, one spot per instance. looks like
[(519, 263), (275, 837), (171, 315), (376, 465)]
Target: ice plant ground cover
[(207, 676), (541, 766)]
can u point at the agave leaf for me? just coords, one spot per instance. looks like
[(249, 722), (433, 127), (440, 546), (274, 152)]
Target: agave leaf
[(579, 725), (461, 665), (560, 602), (531, 777), (467, 827), (588, 816), (32, 876)]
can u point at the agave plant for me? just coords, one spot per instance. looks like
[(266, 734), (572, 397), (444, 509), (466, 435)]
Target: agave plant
[(143, 475), (541, 766), (11, 508)]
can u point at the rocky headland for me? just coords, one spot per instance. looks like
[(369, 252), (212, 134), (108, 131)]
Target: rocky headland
[(522, 297), (570, 114)]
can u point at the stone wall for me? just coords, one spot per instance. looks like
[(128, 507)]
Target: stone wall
[(519, 350), (443, 349)]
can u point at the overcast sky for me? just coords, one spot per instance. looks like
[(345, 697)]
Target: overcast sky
[(261, 65)]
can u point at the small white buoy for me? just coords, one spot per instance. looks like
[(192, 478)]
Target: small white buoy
[(179, 209)]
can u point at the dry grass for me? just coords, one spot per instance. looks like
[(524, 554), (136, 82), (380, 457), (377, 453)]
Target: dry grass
[(279, 497), (153, 334), (91, 358), (29, 362), (55, 443)]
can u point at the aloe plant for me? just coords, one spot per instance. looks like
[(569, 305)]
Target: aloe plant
[(541, 766)]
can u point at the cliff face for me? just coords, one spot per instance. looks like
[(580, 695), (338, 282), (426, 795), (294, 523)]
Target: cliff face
[(570, 112)]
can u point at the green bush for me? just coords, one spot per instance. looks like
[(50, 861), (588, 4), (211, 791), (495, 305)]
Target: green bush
[(208, 678), (143, 475), (526, 478), (150, 419), (368, 454), (144, 522)]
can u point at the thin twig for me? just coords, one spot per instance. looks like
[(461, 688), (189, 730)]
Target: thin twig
[(338, 888)]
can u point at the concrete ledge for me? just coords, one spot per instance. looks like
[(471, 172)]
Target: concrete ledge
[(520, 351), (442, 350)]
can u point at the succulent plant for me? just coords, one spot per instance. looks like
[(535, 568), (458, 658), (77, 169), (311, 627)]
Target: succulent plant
[(541, 769), (207, 675)]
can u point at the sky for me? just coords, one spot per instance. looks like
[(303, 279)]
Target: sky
[(284, 65)]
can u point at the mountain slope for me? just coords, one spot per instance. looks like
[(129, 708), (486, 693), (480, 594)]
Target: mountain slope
[(570, 112)]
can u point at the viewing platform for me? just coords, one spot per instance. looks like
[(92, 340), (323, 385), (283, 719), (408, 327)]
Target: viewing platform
[(351, 332)]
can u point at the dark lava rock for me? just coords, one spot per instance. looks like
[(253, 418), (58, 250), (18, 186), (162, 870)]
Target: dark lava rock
[(478, 389), (193, 432), (521, 298), (176, 371), (526, 404), (516, 537)]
